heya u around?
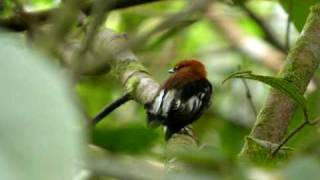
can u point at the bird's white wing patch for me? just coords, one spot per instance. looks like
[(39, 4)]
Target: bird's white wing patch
[(193, 104), (155, 109), (167, 102), (163, 103)]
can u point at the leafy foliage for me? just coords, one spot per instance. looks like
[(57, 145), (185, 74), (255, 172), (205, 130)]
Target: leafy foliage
[(38, 120), (278, 83), (298, 10)]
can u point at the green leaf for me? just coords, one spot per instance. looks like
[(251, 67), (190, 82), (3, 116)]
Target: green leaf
[(298, 10), (42, 130), (131, 138), (280, 84)]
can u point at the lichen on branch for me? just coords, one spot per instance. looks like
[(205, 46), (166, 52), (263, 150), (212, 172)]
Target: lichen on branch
[(125, 65)]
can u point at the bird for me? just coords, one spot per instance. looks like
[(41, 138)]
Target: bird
[(181, 99)]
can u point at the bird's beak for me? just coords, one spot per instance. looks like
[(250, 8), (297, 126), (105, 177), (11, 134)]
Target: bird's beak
[(171, 70)]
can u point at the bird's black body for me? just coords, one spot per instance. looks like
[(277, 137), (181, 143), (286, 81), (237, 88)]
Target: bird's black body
[(177, 108)]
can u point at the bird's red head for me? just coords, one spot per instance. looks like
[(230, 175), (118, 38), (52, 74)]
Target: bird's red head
[(190, 66), (184, 72)]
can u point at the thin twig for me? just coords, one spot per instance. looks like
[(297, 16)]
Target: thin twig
[(285, 140), (100, 12), (295, 131), (288, 26), (249, 97), (269, 34), (169, 22)]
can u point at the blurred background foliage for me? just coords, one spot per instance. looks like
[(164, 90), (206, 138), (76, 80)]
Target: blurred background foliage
[(222, 129)]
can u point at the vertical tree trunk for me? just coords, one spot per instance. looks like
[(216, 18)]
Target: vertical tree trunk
[(301, 63)]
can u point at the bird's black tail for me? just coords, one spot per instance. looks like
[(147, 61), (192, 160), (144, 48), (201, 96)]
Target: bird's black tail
[(109, 108)]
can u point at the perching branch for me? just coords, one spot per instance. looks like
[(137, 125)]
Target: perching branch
[(303, 60)]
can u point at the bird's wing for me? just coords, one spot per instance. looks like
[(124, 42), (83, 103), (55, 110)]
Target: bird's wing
[(160, 107), (193, 104), (179, 106), (188, 107), (193, 97)]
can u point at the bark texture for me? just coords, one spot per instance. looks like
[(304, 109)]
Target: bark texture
[(301, 63)]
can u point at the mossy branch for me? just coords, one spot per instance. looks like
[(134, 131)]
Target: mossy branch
[(301, 63)]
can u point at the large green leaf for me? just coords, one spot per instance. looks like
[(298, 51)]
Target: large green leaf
[(41, 127), (278, 83), (299, 10)]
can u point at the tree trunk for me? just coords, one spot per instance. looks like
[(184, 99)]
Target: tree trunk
[(301, 63)]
